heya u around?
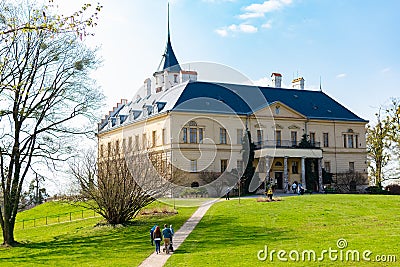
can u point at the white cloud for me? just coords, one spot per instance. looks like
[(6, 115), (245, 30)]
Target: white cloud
[(218, 1), (251, 15), (244, 28), (247, 28), (267, 6), (267, 25), (259, 10), (341, 75), (222, 32), (233, 27), (265, 81), (385, 70)]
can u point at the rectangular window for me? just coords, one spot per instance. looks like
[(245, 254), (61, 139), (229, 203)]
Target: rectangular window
[(193, 135), (295, 167), (239, 136), (356, 141), (344, 141), (261, 165), (108, 148), (184, 137), (350, 141), (239, 166), (259, 136), (312, 139), (293, 138), (117, 147), (101, 150), (278, 138), (193, 165), (164, 136), (224, 164), (351, 166), (144, 141), (175, 78), (327, 166), (201, 135), (222, 135), (130, 143), (124, 144), (137, 144), (326, 139), (154, 138)]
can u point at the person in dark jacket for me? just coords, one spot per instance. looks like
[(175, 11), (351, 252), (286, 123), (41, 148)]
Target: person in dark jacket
[(151, 233), (167, 237)]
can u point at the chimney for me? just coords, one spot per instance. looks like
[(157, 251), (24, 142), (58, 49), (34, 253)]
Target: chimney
[(276, 79), (298, 83), (147, 86)]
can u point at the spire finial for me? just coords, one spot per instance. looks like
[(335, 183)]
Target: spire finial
[(168, 24), (320, 84)]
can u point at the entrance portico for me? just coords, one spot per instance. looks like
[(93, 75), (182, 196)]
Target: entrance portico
[(282, 166)]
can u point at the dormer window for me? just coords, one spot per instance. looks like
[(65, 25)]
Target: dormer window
[(175, 78), (277, 110)]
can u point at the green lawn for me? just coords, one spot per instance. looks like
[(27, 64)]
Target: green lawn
[(232, 234), (186, 202), (80, 243)]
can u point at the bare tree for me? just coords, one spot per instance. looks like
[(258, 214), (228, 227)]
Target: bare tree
[(119, 185), (348, 181), (217, 183), (45, 95)]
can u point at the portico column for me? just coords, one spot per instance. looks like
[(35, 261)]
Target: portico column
[(303, 172), (267, 178), (285, 175), (320, 182)]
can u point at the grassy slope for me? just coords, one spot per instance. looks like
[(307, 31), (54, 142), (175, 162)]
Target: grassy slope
[(79, 243), (231, 233)]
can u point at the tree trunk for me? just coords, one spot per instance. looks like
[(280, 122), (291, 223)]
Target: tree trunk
[(8, 232)]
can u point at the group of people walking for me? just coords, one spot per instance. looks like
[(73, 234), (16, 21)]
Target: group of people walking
[(297, 188), (156, 236)]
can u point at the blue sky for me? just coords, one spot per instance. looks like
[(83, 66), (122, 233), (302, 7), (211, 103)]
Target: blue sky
[(352, 45)]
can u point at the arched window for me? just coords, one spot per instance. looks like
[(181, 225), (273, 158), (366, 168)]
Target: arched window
[(195, 184), (278, 164)]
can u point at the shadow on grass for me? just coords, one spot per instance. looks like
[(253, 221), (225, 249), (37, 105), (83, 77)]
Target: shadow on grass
[(208, 234), (91, 245)]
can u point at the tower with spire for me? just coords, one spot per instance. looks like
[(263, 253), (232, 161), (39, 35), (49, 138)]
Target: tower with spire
[(171, 73)]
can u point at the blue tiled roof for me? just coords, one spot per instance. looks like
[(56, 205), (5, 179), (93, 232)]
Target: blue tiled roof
[(170, 61), (243, 99)]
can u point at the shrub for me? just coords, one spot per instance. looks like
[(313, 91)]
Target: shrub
[(376, 190), (394, 189)]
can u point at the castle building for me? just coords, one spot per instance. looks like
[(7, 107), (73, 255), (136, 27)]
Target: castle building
[(200, 125)]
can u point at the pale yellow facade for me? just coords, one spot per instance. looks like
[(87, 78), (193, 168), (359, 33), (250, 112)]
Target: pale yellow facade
[(273, 130)]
